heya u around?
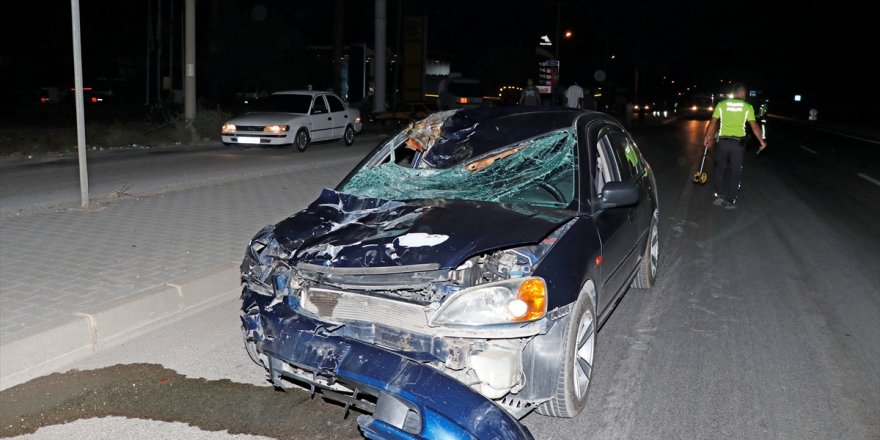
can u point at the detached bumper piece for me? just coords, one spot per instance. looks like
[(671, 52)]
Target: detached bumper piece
[(412, 400)]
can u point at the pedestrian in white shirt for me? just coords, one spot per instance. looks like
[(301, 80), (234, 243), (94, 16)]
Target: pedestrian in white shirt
[(573, 96)]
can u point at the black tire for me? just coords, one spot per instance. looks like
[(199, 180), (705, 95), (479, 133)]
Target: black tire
[(348, 136), (576, 365), (647, 273), (302, 140), (251, 348)]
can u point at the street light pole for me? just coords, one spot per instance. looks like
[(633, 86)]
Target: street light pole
[(80, 109), (558, 34), (189, 80), (379, 75)]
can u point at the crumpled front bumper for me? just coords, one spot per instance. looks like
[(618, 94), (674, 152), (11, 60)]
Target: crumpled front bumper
[(413, 400)]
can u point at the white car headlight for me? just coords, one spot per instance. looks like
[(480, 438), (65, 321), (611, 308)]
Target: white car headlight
[(501, 302), (228, 128), (276, 128)]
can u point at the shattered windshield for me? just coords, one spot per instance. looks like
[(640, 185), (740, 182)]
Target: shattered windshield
[(515, 158)]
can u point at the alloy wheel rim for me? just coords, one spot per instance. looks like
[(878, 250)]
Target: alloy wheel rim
[(655, 249), (583, 356)]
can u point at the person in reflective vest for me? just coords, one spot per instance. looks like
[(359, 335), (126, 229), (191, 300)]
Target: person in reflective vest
[(729, 119)]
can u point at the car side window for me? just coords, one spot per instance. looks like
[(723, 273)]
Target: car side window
[(319, 106), (603, 174), (335, 104), (625, 154), (607, 163)]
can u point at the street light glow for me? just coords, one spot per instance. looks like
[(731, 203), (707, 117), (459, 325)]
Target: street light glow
[(568, 34)]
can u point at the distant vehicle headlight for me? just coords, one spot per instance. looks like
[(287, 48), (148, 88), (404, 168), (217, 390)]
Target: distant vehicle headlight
[(276, 128), (228, 128), (694, 108), (710, 108), (502, 302)]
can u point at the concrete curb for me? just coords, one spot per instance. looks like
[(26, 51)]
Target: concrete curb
[(84, 333)]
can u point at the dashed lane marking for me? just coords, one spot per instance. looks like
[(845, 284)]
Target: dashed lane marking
[(869, 178), (807, 149)]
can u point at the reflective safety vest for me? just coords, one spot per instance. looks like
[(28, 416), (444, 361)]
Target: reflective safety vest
[(733, 114)]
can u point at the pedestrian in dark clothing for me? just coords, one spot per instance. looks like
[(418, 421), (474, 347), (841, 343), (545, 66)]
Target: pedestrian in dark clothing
[(530, 96)]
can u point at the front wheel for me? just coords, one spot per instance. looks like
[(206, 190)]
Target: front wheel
[(576, 367), (348, 136), (647, 273), (301, 141)]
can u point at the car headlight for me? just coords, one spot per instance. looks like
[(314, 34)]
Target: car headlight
[(276, 128), (228, 128), (501, 302)]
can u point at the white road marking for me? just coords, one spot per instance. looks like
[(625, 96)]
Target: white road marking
[(869, 178), (805, 148)]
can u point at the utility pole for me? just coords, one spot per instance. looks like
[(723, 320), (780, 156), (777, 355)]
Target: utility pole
[(338, 38), (189, 83), (149, 47), (80, 109), (379, 77), (558, 31)]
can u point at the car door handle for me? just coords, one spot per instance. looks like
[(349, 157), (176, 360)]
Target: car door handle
[(346, 116), (329, 119)]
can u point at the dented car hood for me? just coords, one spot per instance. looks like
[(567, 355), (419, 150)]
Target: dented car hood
[(343, 230)]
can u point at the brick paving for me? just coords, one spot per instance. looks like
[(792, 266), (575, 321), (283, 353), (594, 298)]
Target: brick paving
[(57, 262)]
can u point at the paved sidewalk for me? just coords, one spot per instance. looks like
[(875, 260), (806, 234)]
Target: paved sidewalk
[(66, 264)]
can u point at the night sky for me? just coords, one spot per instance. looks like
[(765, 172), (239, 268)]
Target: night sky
[(781, 48)]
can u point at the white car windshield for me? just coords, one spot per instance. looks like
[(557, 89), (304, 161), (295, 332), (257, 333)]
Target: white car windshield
[(283, 104)]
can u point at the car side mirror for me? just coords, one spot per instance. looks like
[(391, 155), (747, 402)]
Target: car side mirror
[(617, 194)]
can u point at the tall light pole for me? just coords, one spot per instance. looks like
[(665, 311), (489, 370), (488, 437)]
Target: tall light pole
[(379, 77), (80, 109), (189, 80)]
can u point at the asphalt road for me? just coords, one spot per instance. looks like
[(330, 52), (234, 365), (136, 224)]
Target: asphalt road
[(51, 181), (764, 323)]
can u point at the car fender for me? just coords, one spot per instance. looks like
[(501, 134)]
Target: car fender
[(571, 262)]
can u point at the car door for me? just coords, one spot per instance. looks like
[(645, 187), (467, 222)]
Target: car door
[(321, 121), (616, 227), (339, 115)]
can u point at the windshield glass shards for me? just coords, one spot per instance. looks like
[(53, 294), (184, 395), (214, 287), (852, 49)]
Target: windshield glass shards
[(420, 163)]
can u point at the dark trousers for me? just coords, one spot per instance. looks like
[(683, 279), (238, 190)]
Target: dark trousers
[(728, 167)]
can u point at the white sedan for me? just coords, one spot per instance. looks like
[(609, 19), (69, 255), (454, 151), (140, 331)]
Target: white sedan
[(294, 118)]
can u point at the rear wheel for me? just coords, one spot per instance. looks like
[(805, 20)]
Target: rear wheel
[(647, 273), (348, 136), (576, 367), (301, 141)]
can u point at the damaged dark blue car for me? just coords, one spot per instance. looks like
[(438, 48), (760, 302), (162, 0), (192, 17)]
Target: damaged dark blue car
[(454, 281)]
